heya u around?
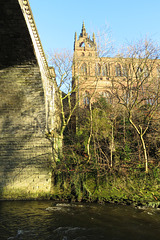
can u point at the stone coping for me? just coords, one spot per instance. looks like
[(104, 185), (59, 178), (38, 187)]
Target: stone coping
[(28, 15)]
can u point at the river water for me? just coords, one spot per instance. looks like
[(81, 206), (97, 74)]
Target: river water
[(48, 220)]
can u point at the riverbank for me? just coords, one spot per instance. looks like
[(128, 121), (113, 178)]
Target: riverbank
[(138, 189), (132, 188)]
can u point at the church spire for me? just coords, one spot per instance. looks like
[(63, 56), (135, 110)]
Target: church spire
[(93, 38), (75, 40), (83, 26), (83, 32), (75, 37)]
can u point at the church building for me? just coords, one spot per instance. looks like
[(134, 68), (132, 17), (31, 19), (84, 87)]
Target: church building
[(93, 75)]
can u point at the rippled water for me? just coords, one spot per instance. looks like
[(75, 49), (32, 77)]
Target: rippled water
[(57, 221)]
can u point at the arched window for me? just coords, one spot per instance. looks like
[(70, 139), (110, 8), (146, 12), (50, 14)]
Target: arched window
[(98, 69), (86, 99), (84, 69), (82, 44), (125, 71), (139, 71), (118, 70), (106, 95), (145, 72), (105, 70)]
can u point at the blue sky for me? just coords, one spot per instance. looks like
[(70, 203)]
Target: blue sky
[(57, 21)]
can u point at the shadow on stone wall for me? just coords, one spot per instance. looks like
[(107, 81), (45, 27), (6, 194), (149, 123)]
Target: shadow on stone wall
[(26, 155)]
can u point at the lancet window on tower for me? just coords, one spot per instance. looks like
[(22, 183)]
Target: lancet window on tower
[(82, 44), (84, 69)]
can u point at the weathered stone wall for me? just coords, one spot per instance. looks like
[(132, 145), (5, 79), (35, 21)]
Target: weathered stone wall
[(25, 153)]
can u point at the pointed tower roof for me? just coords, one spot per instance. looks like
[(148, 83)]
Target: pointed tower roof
[(84, 42), (75, 37), (83, 31), (83, 26), (93, 38)]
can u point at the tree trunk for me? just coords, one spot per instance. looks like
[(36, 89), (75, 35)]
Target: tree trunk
[(124, 128), (112, 145), (58, 147), (90, 135), (145, 153), (141, 134)]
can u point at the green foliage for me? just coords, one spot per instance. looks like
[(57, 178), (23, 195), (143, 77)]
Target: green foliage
[(101, 124), (136, 189), (80, 178)]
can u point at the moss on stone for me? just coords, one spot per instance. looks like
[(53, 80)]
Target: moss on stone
[(115, 189)]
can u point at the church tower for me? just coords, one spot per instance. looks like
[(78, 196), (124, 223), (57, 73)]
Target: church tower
[(84, 65), (84, 46)]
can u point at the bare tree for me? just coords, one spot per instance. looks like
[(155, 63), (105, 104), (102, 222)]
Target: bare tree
[(61, 62), (137, 86), (105, 43)]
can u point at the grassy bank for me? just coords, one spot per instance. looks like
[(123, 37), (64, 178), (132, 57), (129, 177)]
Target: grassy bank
[(138, 188)]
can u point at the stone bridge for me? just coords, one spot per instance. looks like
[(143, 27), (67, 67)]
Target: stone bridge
[(27, 106)]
